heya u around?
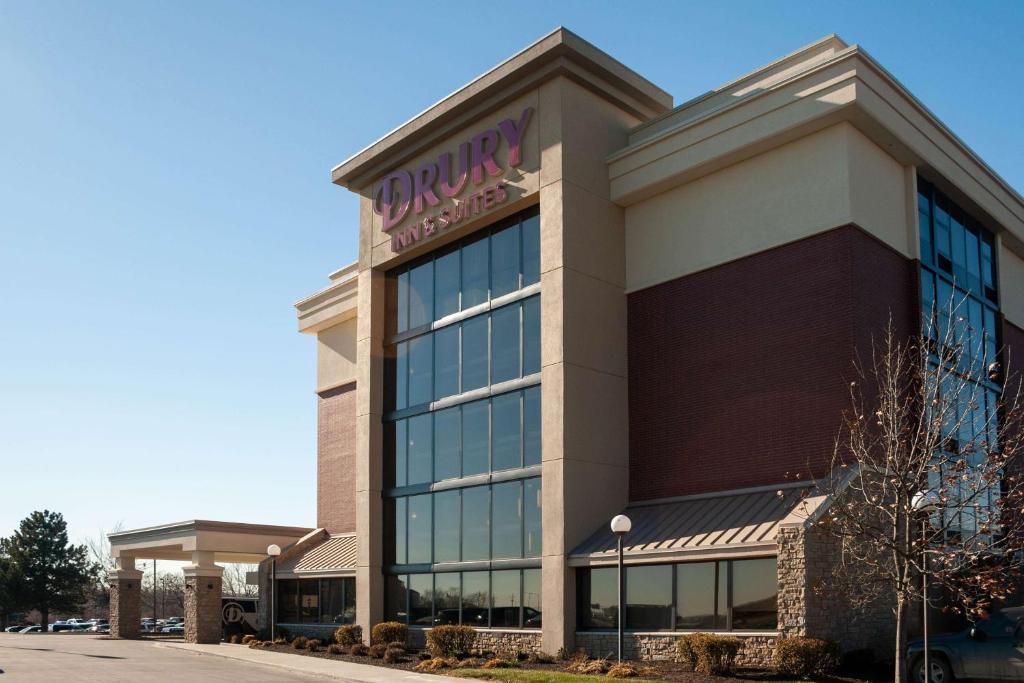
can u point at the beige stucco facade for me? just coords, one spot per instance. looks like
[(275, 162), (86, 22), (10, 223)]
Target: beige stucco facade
[(633, 193)]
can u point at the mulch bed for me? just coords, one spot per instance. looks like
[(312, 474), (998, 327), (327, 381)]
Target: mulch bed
[(667, 671)]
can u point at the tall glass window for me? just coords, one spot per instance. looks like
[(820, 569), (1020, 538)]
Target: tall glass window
[(508, 598), (724, 595), (462, 430), (960, 308), (316, 601)]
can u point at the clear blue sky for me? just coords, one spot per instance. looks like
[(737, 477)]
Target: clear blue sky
[(165, 198)]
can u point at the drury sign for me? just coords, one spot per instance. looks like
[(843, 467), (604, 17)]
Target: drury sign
[(417, 190)]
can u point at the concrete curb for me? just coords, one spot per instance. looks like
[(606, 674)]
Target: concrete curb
[(301, 664)]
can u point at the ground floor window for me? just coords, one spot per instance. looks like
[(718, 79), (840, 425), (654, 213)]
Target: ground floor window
[(723, 595), (316, 601), (509, 598)]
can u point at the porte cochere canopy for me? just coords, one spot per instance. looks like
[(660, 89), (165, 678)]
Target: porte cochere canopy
[(200, 542)]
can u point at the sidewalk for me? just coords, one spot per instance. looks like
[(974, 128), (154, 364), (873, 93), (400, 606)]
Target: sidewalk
[(311, 666)]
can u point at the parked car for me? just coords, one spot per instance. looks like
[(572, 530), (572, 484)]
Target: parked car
[(99, 628), (68, 626), (991, 649), (173, 628), (16, 629), (32, 629)]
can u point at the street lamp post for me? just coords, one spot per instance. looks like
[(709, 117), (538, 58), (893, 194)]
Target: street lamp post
[(925, 502), (621, 525), (273, 550)]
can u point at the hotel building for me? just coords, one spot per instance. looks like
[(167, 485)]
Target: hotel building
[(575, 299)]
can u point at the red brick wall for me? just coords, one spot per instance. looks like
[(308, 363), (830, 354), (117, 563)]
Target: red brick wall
[(738, 374), (336, 460)]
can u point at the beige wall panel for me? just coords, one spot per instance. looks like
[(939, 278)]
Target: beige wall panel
[(593, 128), (1011, 284), (593, 237), (777, 197), (594, 323), (878, 193), (595, 418), (336, 355)]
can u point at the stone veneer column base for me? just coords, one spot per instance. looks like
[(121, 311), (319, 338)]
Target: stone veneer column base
[(125, 603), (202, 604)]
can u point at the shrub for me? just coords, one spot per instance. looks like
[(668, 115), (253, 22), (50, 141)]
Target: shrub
[(335, 649), (266, 643), (358, 650), (248, 639), (709, 654), (389, 632), (562, 654), (623, 670), (281, 641), (500, 663), (349, 634), (806, 657), (471, 663), (235, 639), (253, 644), (377, 651), (299, 642), (540, 658), (450, 640), (394, 654), (424, 655), (581, 664), (312, 644), (437, 663)]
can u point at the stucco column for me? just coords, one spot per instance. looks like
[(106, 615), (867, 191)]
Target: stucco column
[(202, 599), (125, 599)]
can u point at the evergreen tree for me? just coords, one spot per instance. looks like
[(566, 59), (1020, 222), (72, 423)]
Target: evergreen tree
[(11, 599), (54, 575)]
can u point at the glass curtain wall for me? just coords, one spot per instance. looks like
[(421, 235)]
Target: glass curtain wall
[(462, 440), (960, 304)]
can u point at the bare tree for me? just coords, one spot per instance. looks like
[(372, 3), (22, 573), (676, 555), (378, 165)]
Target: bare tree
[(931, 413)]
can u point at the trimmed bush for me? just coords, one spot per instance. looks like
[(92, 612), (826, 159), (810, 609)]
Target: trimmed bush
[(248, 639), (358, 650), (581, 664), (389, 632), (349, 634), (335, 649), (299, 642), (281, 641), (312, 644), (377, 651), (709, 654), (253, 644), (267, 643), (393, 655), (806, 657), (437, 663), (500, 663), (451, 640), (623, 670)]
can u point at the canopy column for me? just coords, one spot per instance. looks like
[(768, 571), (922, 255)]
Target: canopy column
[(202, 599), (125, 598)]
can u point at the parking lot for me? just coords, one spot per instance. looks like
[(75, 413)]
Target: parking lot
[(85, 658)]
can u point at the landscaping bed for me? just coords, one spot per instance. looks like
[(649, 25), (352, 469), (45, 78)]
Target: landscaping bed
[(706, 653)]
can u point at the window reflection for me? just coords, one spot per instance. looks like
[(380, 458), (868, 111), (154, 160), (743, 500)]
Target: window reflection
[(649, 597)]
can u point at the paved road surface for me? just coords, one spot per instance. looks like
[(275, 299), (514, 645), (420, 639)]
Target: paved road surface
[(80, 658)]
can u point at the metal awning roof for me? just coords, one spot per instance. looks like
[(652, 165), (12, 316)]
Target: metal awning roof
[(336, 555), (727, 523)]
